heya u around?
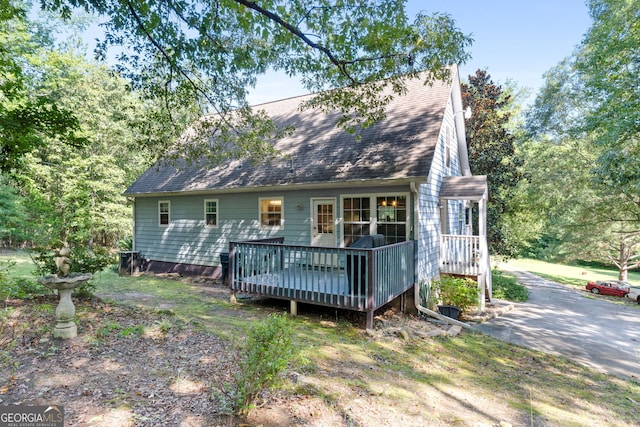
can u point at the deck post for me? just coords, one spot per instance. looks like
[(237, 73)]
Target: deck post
[(230, 276), (369, 324), (294, 308), (484, 278), (371, 286)]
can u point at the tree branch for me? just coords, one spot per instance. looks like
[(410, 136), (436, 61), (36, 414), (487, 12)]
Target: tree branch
[(180, 15), (342, 65), (179, 69), (160, 49)]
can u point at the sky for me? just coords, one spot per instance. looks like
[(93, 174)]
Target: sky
[(516, 40)]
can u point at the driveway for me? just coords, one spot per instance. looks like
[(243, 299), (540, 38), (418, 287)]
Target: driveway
[(564, 321)]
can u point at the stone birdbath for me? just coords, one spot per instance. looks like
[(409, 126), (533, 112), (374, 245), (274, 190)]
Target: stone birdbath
[(65, 282)]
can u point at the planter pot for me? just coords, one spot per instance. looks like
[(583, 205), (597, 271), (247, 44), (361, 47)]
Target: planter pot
[(449, 310)]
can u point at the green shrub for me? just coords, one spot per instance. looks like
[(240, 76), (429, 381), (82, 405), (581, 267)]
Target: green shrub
[(107, 329), (91, 260), (5, 269), (264, 356), (126, 244), (23, 288), (449, 290), (83, 260), (136, 331), (507, 288)]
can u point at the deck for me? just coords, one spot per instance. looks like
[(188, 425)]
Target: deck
[(326, 287), (354, 279), (349, 278)]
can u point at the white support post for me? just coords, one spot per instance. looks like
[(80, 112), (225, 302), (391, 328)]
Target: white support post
[(484, 279), (482, 214)]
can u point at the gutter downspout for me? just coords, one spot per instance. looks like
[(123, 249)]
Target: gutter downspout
[(416, 287)]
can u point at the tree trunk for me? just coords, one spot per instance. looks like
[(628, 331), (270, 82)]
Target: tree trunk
[(622, 273)]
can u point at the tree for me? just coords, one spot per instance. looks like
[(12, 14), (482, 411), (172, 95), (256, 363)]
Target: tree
[(27, 115), (13, 214), (575, 219), (607, 65), (212, 52), (77, 191), (492, 153), (585, 122), (73, 192)]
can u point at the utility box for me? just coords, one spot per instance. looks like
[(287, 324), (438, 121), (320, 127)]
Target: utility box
[(129, 263), (224, 262)]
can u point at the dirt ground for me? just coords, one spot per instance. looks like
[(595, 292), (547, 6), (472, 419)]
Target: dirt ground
[(137, 367)]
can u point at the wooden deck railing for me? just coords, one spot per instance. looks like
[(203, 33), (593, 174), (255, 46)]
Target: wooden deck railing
[(460, 254), (350, 278)]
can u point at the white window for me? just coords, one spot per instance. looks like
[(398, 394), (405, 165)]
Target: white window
[(375, 214), (392, 218), (271, 212), (356, 214), (164, 212), (211, 213)]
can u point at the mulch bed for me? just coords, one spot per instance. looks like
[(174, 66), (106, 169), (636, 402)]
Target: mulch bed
[(113, 373)]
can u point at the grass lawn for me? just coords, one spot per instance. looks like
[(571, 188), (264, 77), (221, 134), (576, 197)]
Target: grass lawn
[(344, 376), (23, 267), (571, 275)]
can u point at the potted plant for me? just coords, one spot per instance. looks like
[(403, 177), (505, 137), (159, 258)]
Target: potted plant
[(454, 295)]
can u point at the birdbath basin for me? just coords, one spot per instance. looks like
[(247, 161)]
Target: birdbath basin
[(66, 311)]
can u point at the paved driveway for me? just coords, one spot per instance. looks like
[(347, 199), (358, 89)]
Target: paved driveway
[(559, 320)]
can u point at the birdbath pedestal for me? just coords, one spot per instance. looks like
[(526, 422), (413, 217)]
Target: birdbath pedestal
[(66, 311)]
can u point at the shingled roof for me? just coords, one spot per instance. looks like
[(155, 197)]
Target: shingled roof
[(464, 187), (319, 153)]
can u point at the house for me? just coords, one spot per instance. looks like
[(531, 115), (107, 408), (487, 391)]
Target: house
[(290, 224)]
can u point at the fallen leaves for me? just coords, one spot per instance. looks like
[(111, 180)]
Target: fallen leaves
[(157, 378)]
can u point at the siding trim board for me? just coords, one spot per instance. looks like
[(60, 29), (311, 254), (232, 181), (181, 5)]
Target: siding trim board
[(328, 185)]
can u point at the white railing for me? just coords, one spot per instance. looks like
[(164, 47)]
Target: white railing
[(460, 254)]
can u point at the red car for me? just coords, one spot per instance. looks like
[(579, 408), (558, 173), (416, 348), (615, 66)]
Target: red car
[(616, 288)]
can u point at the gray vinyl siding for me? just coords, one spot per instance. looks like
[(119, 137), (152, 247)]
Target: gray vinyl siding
[(429, 230), (187, 240)]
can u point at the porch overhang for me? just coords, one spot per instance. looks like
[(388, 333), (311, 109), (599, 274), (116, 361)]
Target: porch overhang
[(464, 188), (467, 254)]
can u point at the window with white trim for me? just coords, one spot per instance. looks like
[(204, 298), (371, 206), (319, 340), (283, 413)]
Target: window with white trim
[(392, 218), (271, 212), (375, 214), (211, 213), (164, 212), (356, 214)]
